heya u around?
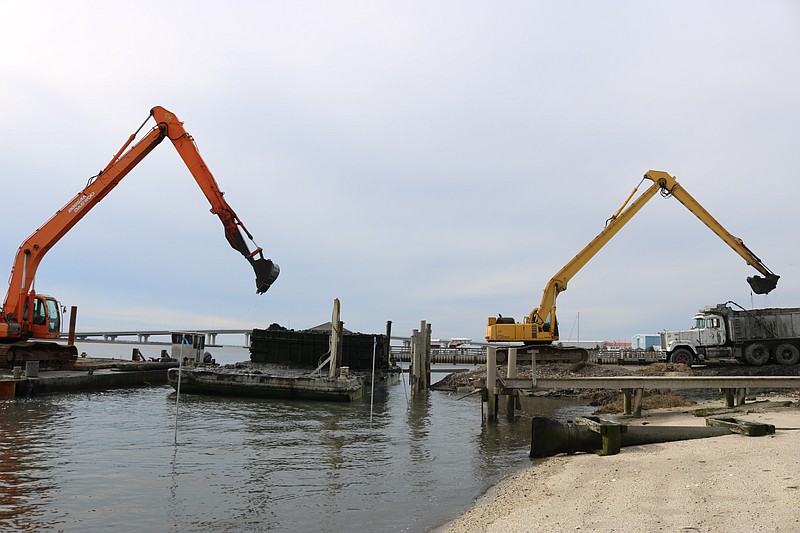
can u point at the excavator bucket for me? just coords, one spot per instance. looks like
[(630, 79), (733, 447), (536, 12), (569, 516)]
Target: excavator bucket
[(763, 285), (266, 273)]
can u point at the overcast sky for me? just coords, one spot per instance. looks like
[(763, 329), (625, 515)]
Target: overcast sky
[(435, 161)]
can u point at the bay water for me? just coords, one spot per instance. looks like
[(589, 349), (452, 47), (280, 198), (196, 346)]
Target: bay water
[(110, 461)]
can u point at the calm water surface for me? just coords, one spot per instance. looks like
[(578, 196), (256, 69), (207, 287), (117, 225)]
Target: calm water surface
[(108, 461)]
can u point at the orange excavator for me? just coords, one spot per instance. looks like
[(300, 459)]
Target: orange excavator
[(28, 315)]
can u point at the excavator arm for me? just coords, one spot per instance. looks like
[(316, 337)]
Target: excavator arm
[(541, 326), (670, 187), (33, 249), (266, 271)]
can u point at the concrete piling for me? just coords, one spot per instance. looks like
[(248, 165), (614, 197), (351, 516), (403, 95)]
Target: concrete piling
[(592, 434), (512, 398), (31, 369), (632, 401), (491, 384)]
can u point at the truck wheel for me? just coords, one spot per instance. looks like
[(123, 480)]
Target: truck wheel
[(501, 356), (682, 356), (787, 354), (756, 354)]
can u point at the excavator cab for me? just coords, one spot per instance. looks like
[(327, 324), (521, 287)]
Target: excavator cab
[(763, 285), (45, 320)]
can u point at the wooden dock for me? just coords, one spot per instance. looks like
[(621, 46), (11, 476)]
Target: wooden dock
[(52, 381), (734, 388)]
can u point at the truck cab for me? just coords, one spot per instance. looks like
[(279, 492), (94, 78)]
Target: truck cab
[(706, 339)]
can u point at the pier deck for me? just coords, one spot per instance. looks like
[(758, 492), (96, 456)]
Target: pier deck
[(734, 388)]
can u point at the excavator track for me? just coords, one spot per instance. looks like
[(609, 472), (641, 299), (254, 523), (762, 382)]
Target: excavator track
[(49, 354), (545, 354)]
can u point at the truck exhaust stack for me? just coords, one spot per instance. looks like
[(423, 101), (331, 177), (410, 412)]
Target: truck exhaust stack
[(763, 285), (266, 273)]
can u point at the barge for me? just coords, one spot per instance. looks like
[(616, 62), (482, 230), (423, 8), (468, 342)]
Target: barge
[(90, 375), (256, 384)]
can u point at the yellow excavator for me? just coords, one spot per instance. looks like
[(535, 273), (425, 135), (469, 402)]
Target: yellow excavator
[(539, 330)]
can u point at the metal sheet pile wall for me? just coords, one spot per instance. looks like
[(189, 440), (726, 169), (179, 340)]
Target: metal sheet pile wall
[(309, 348)]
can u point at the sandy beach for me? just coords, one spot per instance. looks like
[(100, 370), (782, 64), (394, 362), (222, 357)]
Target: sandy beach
[(728, 483)]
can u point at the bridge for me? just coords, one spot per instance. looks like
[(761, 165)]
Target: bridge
[(143, 336)]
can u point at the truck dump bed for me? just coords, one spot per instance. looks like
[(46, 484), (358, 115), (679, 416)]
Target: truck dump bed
[(764, 324)]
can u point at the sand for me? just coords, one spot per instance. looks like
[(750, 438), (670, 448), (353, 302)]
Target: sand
[(728, 483)]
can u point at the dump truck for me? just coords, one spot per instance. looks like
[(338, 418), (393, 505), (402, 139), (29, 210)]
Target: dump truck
[(730, 332)]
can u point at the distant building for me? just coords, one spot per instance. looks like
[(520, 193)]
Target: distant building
[(455, 342), (616, 345), (326, 328), (645, 341)]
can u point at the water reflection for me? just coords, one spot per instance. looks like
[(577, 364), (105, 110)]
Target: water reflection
[(26, 481), (418, 420)]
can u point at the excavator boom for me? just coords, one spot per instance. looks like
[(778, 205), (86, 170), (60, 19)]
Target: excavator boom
[(540, 327)]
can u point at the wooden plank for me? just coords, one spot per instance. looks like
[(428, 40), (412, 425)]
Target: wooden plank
[(657, 382)]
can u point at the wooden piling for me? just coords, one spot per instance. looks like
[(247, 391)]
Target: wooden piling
[(73, 314), (335, 344), (491, 383), (420, 359), (426, 346), (416, 364), (388, 353)]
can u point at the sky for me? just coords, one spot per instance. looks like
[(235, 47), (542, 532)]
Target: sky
[(417, 160)]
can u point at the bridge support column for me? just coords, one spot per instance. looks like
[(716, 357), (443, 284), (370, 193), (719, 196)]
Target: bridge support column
[(211, 339), (143, 337), (247, 340)]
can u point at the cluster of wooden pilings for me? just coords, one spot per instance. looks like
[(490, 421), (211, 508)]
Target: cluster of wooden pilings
[(420, 369)]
